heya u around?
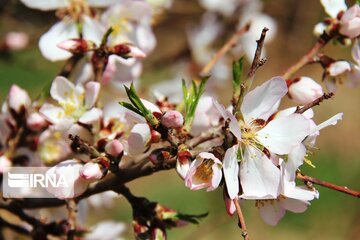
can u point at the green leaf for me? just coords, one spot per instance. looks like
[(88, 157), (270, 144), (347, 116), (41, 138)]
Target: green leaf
[(192, 218), (131, 107), (237, 69), (138, 106), (193, 94)]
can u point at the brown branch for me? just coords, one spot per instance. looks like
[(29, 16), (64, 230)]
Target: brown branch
[(69, 65), (257, 61), (224, 49), (242, 224), (14, 227), (308, 57), (71, 207), (141, 169), (316, 102), (313, 180)]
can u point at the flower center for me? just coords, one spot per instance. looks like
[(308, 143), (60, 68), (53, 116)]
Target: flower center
[(204, 172)]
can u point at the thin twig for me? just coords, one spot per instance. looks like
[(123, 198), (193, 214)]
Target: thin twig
[(70, 65), (308, 57), (224, 49), (316, 102), (313, 180), (71, 207), (241, 219), (257, 61)]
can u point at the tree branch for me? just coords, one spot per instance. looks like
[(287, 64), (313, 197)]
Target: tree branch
[(316, 181), (224, 49), (308, 57), (316, 102)]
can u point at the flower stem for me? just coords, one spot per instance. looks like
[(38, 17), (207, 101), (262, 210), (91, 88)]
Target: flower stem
[(241, 219)]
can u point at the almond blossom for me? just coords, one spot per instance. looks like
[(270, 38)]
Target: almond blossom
[(70, 170), (204, 172), (292, 198), (348, 20), (78, 12), (259, 177), (75, 103)]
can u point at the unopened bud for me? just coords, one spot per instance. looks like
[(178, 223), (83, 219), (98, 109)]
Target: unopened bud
[(172, 119), (114, 148), (16, 40), (36, 121), (77, 45), (304, 90), (18, 98), (120, 50), (91, 171), (155, 136)]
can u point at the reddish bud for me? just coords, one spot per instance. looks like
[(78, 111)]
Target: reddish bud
[(77, 45)]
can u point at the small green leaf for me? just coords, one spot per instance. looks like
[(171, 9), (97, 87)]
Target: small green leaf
[(192, 218), (131, 107), (237, 69)]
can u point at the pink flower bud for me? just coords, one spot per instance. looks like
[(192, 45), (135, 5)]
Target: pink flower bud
[(16, 40), (304, 90), (350, 22), (36, 121), (77, 45), (91, 171), (114, 148), (229, 205), (18, 98), (172, 119), (136, 52)]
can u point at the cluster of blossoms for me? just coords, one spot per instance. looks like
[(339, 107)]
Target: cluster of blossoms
[(252, 149)]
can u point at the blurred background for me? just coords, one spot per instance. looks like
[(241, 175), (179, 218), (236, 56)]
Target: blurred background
[(334, 216)]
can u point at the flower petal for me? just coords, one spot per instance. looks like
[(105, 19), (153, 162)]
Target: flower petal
[(294, 205), (295, 160), (233, 125), (101, 3), (271, 213), (282, 134), (355, 52), (139, 137), (52, 113), (331, 121), (46, 5), (259, 177), (91, 116), (60, 32), (333, 7), (259, 102), (62, 90), (92, 92), (92, 30), (231, 171)]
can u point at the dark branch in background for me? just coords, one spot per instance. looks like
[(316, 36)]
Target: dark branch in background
[(316, 181), (224, 49), (70, 64), (316, 102), (14, 227)]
